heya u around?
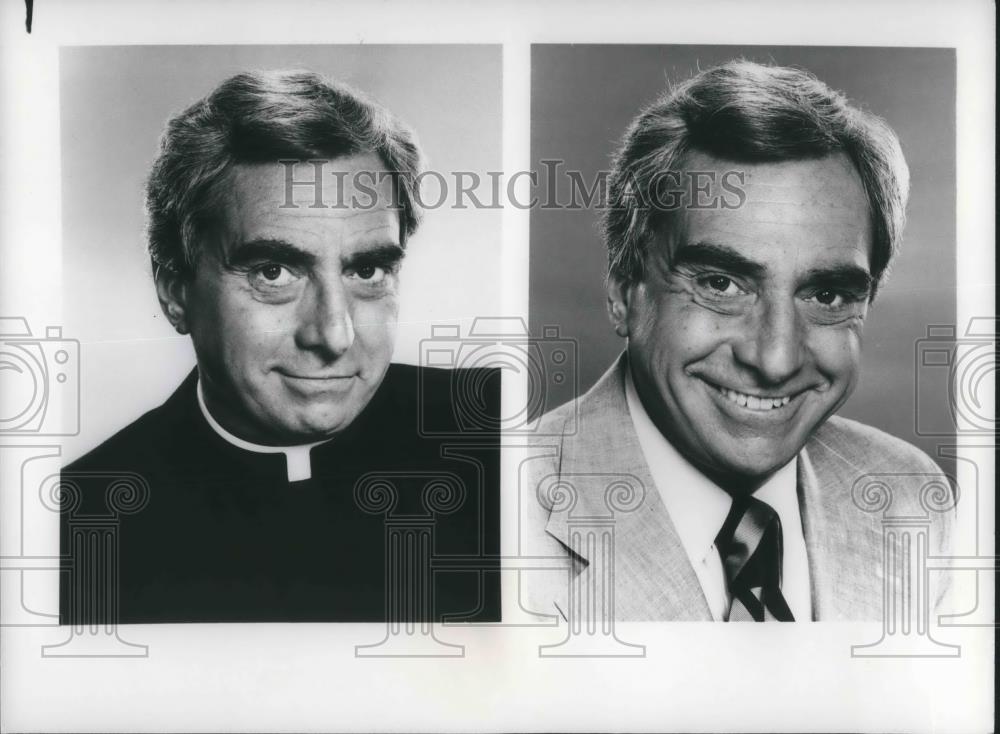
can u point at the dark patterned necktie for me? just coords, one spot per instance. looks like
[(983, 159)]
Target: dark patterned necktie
[(750, 546)]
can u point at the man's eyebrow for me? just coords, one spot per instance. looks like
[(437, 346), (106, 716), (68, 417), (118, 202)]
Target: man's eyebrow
[(710, 254), (381, 255), (247, 253), (846, 277)]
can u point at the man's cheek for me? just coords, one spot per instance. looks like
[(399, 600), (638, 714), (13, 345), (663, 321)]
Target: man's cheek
[(375, 324), (837, 352), (693, 329), (649, 312), (256, 334)]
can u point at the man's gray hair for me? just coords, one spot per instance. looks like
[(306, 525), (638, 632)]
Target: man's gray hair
[(748, 112), (258, 117)]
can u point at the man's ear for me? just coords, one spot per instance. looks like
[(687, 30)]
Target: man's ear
[(619, 296), (171, 289)]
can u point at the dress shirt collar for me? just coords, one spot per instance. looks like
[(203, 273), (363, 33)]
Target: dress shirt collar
[(298, 459), (698, 507)]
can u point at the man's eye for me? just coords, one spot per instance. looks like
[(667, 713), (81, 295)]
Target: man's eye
[(721, 285), (831, 299), (272, 275), (371, 274)]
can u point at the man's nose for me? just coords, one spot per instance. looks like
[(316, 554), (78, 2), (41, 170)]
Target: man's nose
[(325, 322), (774, 345)]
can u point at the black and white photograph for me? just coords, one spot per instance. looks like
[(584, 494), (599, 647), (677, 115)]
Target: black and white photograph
[(762, 249), (281, 206), (435, 366)]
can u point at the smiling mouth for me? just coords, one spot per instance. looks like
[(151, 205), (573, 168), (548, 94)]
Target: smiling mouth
[(317, 378), (758, 403)]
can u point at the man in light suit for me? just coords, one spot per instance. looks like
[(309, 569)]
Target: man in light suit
[(752, 214)]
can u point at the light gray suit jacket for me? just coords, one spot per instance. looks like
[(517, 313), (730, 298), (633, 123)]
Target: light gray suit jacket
[(856, 486)]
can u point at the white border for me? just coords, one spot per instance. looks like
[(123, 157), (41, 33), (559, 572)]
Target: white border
[(304, 677)]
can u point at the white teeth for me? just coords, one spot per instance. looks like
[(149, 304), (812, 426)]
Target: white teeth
[(753, 402)]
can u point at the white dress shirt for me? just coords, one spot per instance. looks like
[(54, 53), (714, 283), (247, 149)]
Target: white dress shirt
[(698, 507), (298, 460)]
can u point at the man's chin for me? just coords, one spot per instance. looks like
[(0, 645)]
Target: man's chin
[(320, 430), (750, 467), (298, 429)]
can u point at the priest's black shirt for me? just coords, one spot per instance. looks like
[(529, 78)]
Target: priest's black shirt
[(167, 521)]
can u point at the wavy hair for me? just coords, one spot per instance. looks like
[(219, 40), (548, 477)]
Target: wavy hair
[(257, 117), (749, 112)]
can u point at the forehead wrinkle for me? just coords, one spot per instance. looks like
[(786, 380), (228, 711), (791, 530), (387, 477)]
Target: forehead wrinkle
[(782, 234), (259, 225), (303, 211), (809, 197), (810, 215), (847, 223), (812, 205), (376, 228)]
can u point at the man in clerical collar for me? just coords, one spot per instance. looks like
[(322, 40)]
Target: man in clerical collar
[(752, 213), (279, 210)]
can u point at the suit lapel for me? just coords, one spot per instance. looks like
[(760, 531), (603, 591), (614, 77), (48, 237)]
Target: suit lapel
[(843, 542), (654, 579)]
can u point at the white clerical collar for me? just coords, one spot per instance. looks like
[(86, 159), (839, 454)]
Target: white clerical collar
[(698, 507), (297, 458)]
